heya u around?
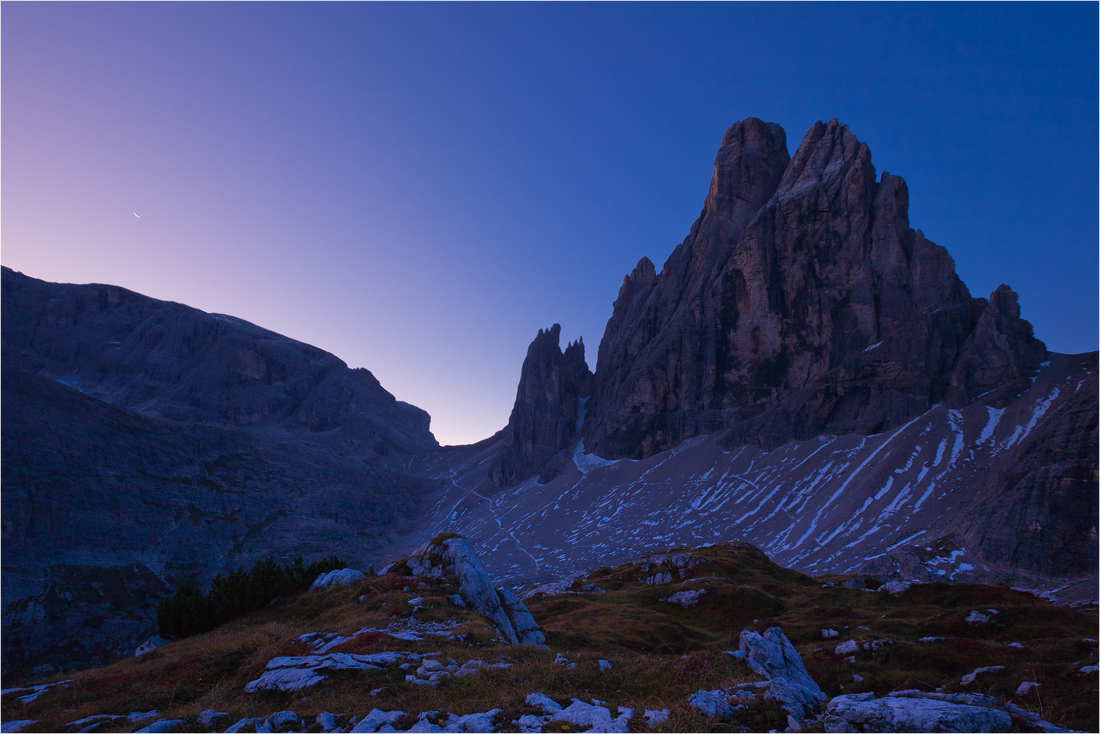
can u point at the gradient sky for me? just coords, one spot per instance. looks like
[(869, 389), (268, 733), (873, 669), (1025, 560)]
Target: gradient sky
[(418, 188)]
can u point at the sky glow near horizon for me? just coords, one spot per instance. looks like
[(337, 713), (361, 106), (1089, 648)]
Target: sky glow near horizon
[(419, 188)]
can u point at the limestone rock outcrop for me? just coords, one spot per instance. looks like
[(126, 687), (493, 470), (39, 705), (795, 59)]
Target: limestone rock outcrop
[(544, 420), (773, 656), (800, 303), (338, 577), (863, 712), (913, 710), (455, 556)]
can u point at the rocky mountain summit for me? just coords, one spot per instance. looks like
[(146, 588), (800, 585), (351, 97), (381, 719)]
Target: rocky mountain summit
[(801, 303)]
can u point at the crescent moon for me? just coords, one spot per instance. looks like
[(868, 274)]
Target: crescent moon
[(137, 215)]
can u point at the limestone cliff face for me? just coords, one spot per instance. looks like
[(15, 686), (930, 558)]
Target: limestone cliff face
[(800, 303), (544, 417)]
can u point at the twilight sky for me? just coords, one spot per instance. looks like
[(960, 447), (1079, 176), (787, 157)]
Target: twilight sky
[(419, 188)]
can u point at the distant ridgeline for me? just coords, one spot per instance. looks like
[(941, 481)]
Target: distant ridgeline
[(189, 611)]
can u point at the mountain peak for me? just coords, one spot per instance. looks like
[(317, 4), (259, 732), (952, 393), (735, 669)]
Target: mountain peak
[(543, 422), (760, 324)]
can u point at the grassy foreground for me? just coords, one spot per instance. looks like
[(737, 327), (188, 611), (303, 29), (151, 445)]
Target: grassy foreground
[(660, 652)]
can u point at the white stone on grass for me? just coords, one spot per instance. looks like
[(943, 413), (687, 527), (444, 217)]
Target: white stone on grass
[(969, 677), (472, 722), (26, 695), (688, 598), (341, 577), (530, 723), (563, 661), (93, 723), (827, 633), (377, 720), (655, 717), (209, 718), (293, 673), (280, 719), (712, 704), (847, 648), (895, 588), (547, 704), (243, 724), (976, 618), (605, 665), (1026, 687), (594, 718), (14, 726), (658, 578), (862, 712), (1032, 719), (326, 721)]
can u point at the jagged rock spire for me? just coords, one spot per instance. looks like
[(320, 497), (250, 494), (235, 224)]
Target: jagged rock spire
[(544, 417)]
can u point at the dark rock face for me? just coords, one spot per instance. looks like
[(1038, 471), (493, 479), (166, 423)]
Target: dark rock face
[(1037, 513), (801, 303), (545, 415), (147, 444)]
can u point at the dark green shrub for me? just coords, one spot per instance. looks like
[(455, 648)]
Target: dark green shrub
[(189, 611)]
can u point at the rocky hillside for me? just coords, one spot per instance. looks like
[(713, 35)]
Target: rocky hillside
[(147, 444), (998, 495), (718, 638)]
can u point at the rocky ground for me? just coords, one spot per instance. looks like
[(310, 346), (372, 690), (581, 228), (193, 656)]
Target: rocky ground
[(716, 638)]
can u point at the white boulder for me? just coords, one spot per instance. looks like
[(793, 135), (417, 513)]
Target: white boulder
[(969, 677), (377, 720), (594, 718), (862, 712), (713, 704), (339, 577), (298, 672), (773, 656), (688, 598)]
